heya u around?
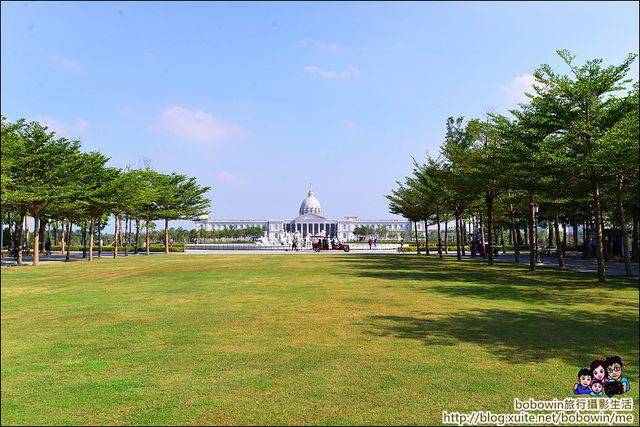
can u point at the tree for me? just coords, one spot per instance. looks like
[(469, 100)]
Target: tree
[(584, 108), (12, 146), (432, 185), (362, 230), (484, 169), (404, 201), (45, 167), (180, 197), (619, 151), (150, 185), (97, 194), (123, 191), (456, 179)]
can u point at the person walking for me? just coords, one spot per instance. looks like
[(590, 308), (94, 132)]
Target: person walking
[(370, 242), (375, 242), (47, 246)]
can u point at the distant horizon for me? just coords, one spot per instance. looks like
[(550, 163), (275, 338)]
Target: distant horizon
[(257, 102)]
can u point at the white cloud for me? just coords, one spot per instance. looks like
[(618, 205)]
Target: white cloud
[(348, 72), (518, 86), (229, 178), (197, 125), (63, 128), (66, 63), (323, 46)]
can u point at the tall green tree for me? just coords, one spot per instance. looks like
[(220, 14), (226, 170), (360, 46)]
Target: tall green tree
[(97, 193), (583, 105), (180, 197), (404, 201), (45, 167), (458, 183), (619, 150)]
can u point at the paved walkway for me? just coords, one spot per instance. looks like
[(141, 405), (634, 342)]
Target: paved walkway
[(57, 257), (573, 262)]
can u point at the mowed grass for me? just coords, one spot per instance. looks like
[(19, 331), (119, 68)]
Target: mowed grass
[(306, 339)]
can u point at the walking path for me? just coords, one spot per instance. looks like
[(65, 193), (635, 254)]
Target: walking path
[(573, 262)]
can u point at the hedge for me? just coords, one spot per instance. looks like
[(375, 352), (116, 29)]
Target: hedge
[(152, 248), (412, 248)]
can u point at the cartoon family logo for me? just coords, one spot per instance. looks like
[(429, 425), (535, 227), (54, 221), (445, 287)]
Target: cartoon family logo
[(604, 376)]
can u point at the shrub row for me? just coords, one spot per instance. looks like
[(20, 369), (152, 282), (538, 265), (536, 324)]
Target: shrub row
[(466, 248), (152, 248)]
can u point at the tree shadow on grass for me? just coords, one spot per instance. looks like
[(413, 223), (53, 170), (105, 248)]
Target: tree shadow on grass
[(522, 337), (469, 279)]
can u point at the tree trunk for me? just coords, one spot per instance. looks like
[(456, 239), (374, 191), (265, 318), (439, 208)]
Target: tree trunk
[(533, 244), (439, 236), (120, 232), (634, 238), (166, 236), (126, 236), (489, 201), (606, 248), (464, 236), (564, 239), (511, 234), (91, 225), (458, 255), (514, 236), (84, 239), (585, 239), (147, 238), (55, 233), (137, 235), (574, 226), (63, 237), (69, 231), (36, 237), (426, 238), (2, 236), (116, 234), (602, 275), (551, 235), (504, 248), (99, 237), (9, 233), (41, 229), (483, 248), (623, 228), (415, 228), (26, 232), (556, 228), (446, 236), (19, 225)]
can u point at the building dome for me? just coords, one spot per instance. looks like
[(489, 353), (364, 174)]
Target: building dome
[(310, 204)]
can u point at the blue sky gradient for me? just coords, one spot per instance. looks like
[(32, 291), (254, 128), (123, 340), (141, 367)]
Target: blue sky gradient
[(256, 100)]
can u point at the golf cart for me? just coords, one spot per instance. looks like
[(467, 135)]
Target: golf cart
[(324, 243)]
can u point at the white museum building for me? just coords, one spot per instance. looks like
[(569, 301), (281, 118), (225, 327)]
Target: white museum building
[(310, 221)]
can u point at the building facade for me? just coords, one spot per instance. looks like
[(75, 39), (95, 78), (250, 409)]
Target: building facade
[(310, 221)]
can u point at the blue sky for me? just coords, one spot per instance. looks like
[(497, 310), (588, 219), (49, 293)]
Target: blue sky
[(256, 100)]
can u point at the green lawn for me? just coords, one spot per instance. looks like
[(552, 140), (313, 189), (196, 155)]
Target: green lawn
[(313, 339)]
